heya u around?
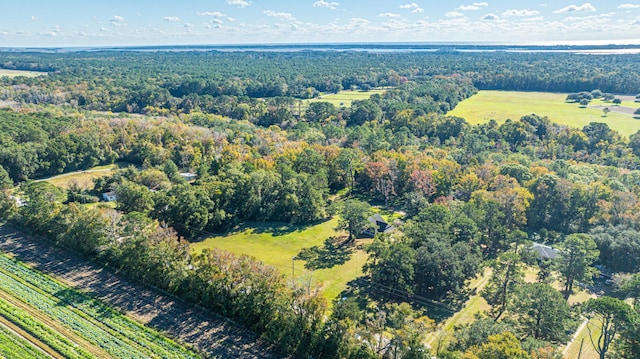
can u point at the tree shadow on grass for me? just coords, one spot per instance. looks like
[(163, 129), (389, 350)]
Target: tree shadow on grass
[(334, 251), (71, 298), (439, 310)]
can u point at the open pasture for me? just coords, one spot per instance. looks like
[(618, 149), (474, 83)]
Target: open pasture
[(345, 98), (16, 73), (276, 244), (84, 179), (503, 105)]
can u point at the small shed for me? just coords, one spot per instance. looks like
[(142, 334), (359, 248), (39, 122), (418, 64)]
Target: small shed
[(544, 252), (109, 196)]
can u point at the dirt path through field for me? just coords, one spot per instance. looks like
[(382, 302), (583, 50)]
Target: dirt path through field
[(31, 339), (202, 330)]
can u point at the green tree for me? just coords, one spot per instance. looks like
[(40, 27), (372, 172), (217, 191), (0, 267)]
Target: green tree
[(320, 111), (5, 180), (350, 163), (502, 346), (610, 316), (507, 275), (606, 111), (391, 265), (576, 259), (354, 217), (541, 311), (133, 197), (632, 288), (477, 333)]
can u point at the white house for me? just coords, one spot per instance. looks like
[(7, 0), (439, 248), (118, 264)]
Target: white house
[(188, 176), (109, 196)]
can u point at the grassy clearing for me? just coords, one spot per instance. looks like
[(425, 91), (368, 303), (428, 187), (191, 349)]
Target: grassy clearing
[(73, 324), (276, 244), (582, 337), (476, 304), (345, 98), (84, 179), (503, 105), (15, 73)]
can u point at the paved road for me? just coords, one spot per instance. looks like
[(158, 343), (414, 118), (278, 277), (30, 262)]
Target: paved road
[(204, 331)]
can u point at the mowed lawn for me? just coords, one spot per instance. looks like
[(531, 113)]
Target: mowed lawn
[(276, 243), (503, 105), (84, 179), (345, 98)]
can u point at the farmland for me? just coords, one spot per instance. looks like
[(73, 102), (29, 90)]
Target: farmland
[(16, 73), (73, 324), (345, 98), (83, 179), (503, 105)]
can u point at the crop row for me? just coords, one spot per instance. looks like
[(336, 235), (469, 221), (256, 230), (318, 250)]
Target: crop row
[(14, 347), (41, 331), (87, 317)]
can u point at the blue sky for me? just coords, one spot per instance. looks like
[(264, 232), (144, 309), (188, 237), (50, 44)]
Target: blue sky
[(159, 22)]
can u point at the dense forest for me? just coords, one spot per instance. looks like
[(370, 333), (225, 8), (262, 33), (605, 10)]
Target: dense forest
[(473, 197)]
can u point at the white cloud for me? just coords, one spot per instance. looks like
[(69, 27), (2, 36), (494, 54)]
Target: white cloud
[(188, 26), (468, 7), (171, 18), (491, 17), (117, 21), (104, 29), (453, 14), (416, 8), (329, 5), (587, 7), (389, 14), (280, 15), (211, 13), (524, 12), (474, 6), (629, 6), (33, 18), (534, 19), (239, 3)]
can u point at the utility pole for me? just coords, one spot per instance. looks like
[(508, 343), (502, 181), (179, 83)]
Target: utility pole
[(293, 266)]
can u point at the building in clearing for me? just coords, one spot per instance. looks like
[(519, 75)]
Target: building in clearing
[(188, 176), (544, 252), (379, 225), (109, 196)]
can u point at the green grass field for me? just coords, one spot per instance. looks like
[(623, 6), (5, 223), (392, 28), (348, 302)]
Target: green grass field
[(503, 105), (582, 339), (474, 305), (276, 243), (344, 98), (15, 73), (84, 179)]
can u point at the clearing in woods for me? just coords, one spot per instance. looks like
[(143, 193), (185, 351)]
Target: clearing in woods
[(16, 73), (503, 105), (345, 98), (332, 264)]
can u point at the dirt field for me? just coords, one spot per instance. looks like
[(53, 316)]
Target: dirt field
[(204, 331)]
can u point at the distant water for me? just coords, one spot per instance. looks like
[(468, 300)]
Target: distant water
[(602, 47)]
